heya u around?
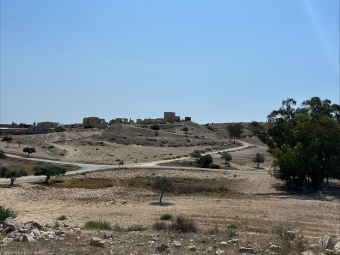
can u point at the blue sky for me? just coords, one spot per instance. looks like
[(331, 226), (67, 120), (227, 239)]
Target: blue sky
[(216, 61)]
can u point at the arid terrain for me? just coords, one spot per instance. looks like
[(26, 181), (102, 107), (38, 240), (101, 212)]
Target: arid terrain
[(255, 203)]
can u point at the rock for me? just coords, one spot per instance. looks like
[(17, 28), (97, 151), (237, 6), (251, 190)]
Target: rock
[(23, 230), (50, 236), (97, 242), (330, 252), (247, 250), (28, 238), (274, 248), (209, 249), (235, 240), (162, 248), (307, 253), (290, 234), (220, 252), (11, 224), (151, 242), (337, 247), (177, 245), (327, 242), (192, 248), (204, 240), (224, 243), (18, 239), (36, 232), (5, 230), (7, 240), (33, 224)]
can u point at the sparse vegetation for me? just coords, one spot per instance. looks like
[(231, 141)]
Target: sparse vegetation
[(49, 170), (235, 131), (99, 225), (166, 216), (2, 154), (183, 224), (62, 217), (227, 157), (155, 127), (259, 158), (59, 129), (29, 150), (163, 184), (6, 212), (8, 140), (12, 174)]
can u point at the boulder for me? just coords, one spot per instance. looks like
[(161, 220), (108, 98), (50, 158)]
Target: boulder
[(162, 248), (11, 224), (209, 249), (220, 252), (223, 243), (337, 247), (327, 242), (97, 242), (7, 240), (290, 234), (192, 248), (28, 238)]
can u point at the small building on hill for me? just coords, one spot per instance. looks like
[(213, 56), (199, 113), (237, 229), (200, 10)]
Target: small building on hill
[(95, 122), (43, 127)]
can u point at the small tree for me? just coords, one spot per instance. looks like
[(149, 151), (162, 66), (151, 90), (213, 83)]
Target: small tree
[(205, 161), (227, 157), (163, 184), (235, 131), (259, 158), (7, 139), (29, 150), (196, 154), (49, 171), (155, 127), (19, 143), (12, 174), (185, 130)]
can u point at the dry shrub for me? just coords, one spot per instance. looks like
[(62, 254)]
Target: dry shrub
[(183, 224)]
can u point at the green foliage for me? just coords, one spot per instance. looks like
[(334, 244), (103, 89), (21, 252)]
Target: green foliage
[(12, 174), (215, 166), (28, 150), (196, 154), (49, 170), (136, 228), (59, 129), (156, 134), (235, 130), (6, 212), (62, 217), (88, 126), (163, 184), (155, 127), (227, 157), (210, 128), (185, 129), (259, 158), (183, 224), (100, 225), (7, 139), (51, 147), (2, 154), (304, 142), (166, 216), (205, 161)]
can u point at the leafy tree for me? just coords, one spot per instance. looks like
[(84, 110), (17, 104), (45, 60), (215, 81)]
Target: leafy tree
[(259, 158), (29, 150), (305, 142), (19, 143), (196, 154), (185, 130), (163, 184), (49, 170), (235, 131), (227, 157), (12, 174), (59, 129), (205, 161), (7, 139), (155, 127)]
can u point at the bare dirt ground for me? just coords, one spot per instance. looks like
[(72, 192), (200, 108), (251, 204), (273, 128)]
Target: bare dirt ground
[(256, 205)]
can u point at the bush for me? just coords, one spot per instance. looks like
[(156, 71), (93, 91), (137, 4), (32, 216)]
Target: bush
[(205, 161), (136, 228), (185, 129), (183, 224), (104, 225), (166, 216), (51, 147), (88, 126), (160, 225), (59, 129), (62, 217), (2, 154), (155, 127), (232, 230), (215, 166), (6, 212)]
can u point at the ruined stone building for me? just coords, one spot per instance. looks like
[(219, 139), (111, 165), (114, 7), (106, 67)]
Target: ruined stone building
[(171, 117), (43, 127), (95, 122)]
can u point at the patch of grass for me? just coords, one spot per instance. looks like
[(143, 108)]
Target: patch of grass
[(6, 212), (102, 225), (51, 147), (166, 216), (136, 228), (62, 217), (117, 160)]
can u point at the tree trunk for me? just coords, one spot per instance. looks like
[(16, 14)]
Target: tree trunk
[(47, 178), (160, 199), (12, 181), (28, 155), (258, 164)]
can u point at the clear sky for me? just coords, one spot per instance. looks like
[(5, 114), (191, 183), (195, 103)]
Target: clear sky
[(213, 60)]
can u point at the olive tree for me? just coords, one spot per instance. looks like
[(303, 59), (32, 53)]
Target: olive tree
[(259, 158), (227, 157), (7, 139), (49, 170), (163, 184), (29, 150), (12, 174)]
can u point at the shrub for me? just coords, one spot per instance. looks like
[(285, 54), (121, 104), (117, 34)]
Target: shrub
[(160, 225), (185, 129), (163, 184), (155, 127), (88, 126), (156, 133), (210, 128), (51, 147), (183, 224), (136, 228), (205, 161), (103, 225), (59, 129), (195, 154), (62, 217), (6, 212), (232, 230), (215, 166), (166, 216)]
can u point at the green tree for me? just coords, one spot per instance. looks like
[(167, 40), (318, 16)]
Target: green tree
[(11, 174), (235, 131), (305, 142), (163, 184), (227, 157), (259, 158), (7, 139), (185, 130), (205, 161), (196, 154), (49, 170), (29, 150), (155, 127), (2, 154)]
